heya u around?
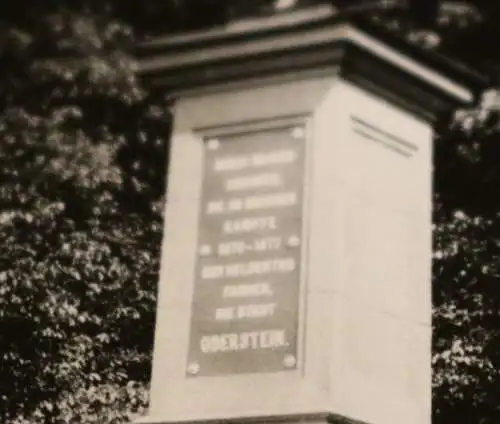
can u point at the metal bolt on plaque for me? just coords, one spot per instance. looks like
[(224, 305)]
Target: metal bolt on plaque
[(193, 368), (205, 250), (213, 144), (289, 361), (298, 132), (293, 241)]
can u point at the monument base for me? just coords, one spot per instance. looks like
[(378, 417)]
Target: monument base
[(317, 418)]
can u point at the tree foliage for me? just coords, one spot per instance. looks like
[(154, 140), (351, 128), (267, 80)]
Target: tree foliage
[(82, 167), (82, 177)]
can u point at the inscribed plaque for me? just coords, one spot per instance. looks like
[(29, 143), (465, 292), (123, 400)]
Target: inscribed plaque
[(246, 292)]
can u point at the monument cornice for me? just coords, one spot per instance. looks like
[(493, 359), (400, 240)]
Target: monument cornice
[(314, 40)]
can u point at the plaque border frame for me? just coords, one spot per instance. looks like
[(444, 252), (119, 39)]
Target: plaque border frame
[(303, 120)]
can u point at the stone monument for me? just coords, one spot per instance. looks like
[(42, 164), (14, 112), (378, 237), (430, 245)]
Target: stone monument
[(295, 279)]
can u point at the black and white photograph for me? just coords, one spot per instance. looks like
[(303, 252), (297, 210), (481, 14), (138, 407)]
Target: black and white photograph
[(250, 212)]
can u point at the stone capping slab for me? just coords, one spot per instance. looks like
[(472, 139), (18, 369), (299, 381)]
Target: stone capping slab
[(303, 30), (243, 28)]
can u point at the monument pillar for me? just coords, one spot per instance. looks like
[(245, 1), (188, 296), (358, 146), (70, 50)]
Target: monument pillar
[(295, 279)]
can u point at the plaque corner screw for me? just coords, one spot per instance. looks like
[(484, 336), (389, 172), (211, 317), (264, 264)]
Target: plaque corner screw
[(289, 361), (193, 368), (298, 132), (213, 144)]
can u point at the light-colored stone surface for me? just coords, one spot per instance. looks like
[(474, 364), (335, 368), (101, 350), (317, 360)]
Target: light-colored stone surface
[(173, 396), (237, 106), (370, 238), (365, 332)]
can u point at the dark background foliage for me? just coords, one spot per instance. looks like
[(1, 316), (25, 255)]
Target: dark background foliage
[(83, 157)]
